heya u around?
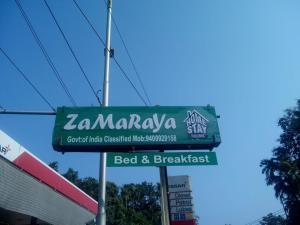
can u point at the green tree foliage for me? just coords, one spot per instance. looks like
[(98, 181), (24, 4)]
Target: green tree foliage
[(271, 219), (90, 186), (130, 204), (54, 165), (144, 200), (115, 211), (283, 169), (72, 175)]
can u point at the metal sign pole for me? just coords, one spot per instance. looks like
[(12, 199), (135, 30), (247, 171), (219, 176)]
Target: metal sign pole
[(168, 194), (101, 215), (165, 208), (164, 196)]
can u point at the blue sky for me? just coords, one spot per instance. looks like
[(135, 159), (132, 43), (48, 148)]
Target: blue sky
[(240, 56)]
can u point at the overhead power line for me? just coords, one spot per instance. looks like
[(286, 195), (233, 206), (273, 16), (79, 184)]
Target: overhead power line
[(46, 55), (133, 86), (89, 22), (27, 80), (130, 57), (279, 212), (72, 51), (132, 63), (259, 221), (114, 58)]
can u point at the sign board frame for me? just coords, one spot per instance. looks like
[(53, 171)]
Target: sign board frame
[(125, 129), (161, 159)]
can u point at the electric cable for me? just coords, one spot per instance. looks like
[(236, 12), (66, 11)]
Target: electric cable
[(130, 57), (255, 221), (126, 76), (46, 55), (260, 220), (132, 63), (72, 51), (114, 58), (89, 22), (279, 212), (27, 80)]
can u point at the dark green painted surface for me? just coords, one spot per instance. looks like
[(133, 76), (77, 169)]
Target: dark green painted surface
[(130, 128), (161, 159)]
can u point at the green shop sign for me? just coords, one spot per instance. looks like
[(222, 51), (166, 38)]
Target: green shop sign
[(100, 129), (161, 159)]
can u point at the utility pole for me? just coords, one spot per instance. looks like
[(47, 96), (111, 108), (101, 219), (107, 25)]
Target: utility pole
[(101, 214)]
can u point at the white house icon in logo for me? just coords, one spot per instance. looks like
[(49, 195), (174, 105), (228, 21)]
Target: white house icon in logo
[(196, 124)]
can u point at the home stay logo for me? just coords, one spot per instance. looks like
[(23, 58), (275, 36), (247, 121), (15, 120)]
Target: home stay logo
[(4, 149), (196, 124)]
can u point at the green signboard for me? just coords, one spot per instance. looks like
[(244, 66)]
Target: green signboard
[(161, 159), (100, 129)]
